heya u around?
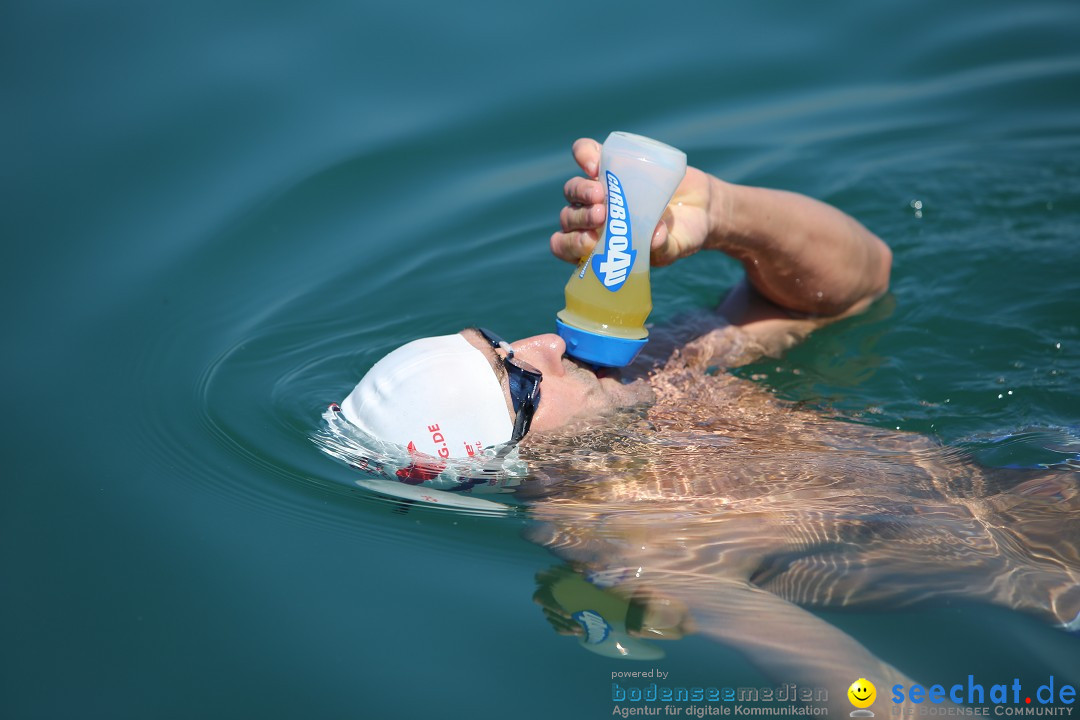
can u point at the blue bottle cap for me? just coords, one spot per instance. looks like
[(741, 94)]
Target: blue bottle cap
[(598, 349)]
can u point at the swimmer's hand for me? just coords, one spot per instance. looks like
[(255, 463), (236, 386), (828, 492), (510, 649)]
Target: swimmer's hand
[(799, 254), (682, 231)]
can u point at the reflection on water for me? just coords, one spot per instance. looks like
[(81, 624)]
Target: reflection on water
[(746, 510), (608, 622), (222, 213), (393, 471)]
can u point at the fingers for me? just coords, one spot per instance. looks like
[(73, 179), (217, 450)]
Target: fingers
[(586, 211), (587, 155), (583, 191), (572, 246), (582, 217), (562, 624)]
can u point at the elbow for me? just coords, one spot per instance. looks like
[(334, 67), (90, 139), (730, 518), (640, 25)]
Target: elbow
[(882, 270), (874, 282), (876, 274)]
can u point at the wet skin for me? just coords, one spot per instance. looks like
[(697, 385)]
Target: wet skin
[(570, 390)]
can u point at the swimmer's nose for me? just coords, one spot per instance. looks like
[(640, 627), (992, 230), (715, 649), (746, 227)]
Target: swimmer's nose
[(543, 352)]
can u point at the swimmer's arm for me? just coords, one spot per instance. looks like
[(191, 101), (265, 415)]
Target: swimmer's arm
[(807, 263), (788, 643), (753, 327), (800, 254)]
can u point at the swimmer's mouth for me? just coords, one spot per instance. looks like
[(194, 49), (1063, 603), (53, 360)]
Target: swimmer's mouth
[(597, 370)]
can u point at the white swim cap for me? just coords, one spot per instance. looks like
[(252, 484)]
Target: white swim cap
[(438, 396)]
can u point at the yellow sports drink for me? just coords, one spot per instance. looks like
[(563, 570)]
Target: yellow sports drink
[(608, 296)]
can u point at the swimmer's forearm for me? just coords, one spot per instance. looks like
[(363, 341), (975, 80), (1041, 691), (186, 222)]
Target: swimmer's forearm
[(798, 252)]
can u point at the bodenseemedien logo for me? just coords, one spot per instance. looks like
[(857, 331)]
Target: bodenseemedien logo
[(862, 694), (613, 267)]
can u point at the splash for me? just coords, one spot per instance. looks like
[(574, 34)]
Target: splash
[(400, 472)]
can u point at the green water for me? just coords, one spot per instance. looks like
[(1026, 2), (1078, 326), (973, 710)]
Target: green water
[(218, 215)]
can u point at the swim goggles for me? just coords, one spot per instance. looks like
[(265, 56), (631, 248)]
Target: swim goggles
[(524, 384)]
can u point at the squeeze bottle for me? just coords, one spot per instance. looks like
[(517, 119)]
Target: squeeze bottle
[(603, 617), (607, 296)]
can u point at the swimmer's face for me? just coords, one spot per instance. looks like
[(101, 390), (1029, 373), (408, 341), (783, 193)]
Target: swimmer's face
[(569, 390), (862, 693)]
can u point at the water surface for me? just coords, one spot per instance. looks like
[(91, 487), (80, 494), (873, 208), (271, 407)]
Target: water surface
[(219, 215)]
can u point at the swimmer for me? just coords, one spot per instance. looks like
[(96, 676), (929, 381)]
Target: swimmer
[(807, 264), (707, 493)]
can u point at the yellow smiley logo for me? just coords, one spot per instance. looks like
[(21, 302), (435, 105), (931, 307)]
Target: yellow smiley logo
[(862, 693)]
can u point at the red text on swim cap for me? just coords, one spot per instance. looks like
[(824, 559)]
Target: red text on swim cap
[(439, 439), (422, 467)]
